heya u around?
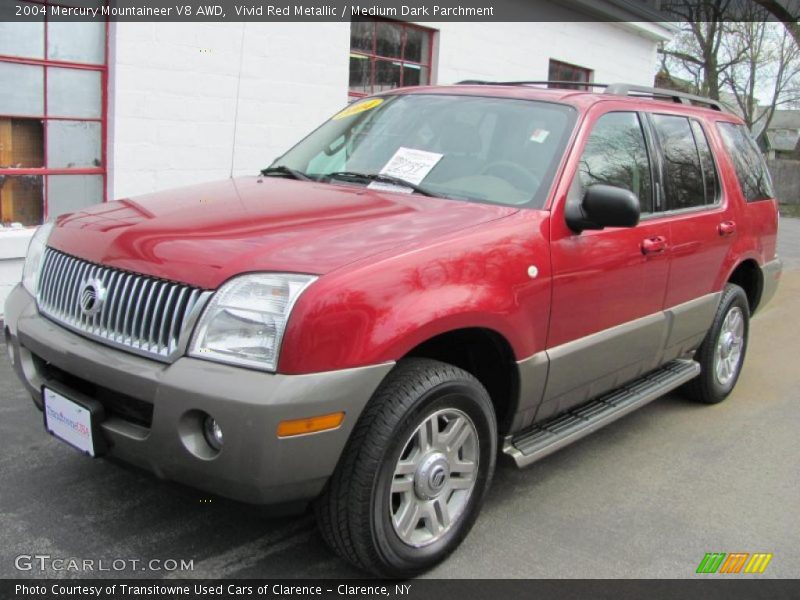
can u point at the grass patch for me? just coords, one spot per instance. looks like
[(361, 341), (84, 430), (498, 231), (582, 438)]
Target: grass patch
[(790, 210)]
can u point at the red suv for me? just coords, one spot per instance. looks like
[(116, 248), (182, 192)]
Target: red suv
[(432, 275)]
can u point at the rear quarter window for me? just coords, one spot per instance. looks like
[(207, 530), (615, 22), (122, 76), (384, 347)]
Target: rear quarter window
[(749, 165)]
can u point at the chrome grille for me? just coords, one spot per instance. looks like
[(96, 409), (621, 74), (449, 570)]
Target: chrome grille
[(139, 313)]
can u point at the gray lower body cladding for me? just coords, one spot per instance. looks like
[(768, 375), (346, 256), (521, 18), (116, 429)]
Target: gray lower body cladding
[(571, 374), (152, 423)]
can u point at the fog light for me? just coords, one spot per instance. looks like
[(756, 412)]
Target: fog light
[(213, 432)]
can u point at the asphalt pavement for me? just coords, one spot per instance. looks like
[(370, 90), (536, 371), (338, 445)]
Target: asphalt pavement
[(645, 497)]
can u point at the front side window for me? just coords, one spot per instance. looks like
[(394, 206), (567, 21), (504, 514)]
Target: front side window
[(616, 154), (385, 55), (496, 150), (751, 170)]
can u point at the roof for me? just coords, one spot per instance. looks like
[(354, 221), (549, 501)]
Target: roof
[(783, 140), (580, 99), (785, 119), (641, 17)]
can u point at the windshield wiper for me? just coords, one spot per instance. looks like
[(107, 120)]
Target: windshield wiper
[(284, 170), (380, 178)]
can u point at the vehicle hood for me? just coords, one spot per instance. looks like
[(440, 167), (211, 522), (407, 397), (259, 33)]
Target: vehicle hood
[(205, 234)]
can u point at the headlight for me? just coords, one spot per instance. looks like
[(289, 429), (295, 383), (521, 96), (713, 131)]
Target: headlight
[(244, 322), (33, 260)]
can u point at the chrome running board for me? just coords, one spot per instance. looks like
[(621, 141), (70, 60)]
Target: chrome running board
[(544, 438)]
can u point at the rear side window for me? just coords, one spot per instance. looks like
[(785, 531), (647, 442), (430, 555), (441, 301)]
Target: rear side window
[(751, 170), (616, 154), (689, 173)]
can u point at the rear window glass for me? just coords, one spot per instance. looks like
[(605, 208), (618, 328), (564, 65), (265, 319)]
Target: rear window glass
[(751, 170)]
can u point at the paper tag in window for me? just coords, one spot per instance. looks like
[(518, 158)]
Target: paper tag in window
[(539, 135), (358, 107), (411, 165)]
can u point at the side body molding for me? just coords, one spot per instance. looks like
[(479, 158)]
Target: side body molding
[(560, 378)]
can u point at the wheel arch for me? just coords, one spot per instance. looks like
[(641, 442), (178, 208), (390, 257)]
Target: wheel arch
[(487, 355), (747, 275)]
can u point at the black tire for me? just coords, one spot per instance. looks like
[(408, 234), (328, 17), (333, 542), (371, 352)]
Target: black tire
[(707, 387), (353, 512)]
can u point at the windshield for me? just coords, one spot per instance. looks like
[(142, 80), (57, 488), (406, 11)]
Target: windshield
[(497, 150)]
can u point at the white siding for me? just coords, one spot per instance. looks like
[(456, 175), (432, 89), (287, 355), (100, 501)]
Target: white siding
[(13, 245), (174, 109), (522, 51)]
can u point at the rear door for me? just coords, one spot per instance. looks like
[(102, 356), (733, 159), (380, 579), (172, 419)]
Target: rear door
[(702, 224), (606, 324)]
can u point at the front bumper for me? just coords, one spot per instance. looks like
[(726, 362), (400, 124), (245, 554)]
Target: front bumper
[(254, 464)]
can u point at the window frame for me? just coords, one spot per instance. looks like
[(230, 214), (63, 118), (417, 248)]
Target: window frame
[(578, 85), (373, 56), (45, 63), (661, 200)]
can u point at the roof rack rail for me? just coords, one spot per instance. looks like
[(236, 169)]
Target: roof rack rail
[(617, 89), (626, 89), (570, 83)]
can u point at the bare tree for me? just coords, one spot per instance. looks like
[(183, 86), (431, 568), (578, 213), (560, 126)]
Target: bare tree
[(697, 49), (787, 12), (769, 68), (734, 52)]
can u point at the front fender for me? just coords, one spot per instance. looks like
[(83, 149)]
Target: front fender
[(379, 312)]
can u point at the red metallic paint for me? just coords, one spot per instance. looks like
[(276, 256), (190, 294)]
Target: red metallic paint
[(400, 269), (206, 234), (379, 309)]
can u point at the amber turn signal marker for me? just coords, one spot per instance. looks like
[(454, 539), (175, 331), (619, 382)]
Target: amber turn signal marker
[(310, 425)]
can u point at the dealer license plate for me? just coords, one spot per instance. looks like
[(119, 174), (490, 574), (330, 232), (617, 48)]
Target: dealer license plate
[(68, 421)]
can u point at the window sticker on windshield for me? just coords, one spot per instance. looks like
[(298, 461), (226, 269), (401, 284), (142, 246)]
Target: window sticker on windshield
[(358, 107), (411, 165), (539, 135)]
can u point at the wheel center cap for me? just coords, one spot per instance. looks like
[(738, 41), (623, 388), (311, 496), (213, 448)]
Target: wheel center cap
[(727, 345), (432, 476)]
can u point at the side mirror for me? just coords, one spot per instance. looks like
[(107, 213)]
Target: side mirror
[(603, 206)]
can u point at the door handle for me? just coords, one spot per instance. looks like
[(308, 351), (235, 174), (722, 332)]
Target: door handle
[(727, 228), (654, 245)]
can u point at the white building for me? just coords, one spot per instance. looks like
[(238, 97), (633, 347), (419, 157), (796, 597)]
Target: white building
[(92, 112)]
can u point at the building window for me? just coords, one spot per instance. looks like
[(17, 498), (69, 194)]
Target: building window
[(565, 72), (386, 55), (52, 117)]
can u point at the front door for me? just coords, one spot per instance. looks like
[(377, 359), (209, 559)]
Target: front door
[(607, 324)]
